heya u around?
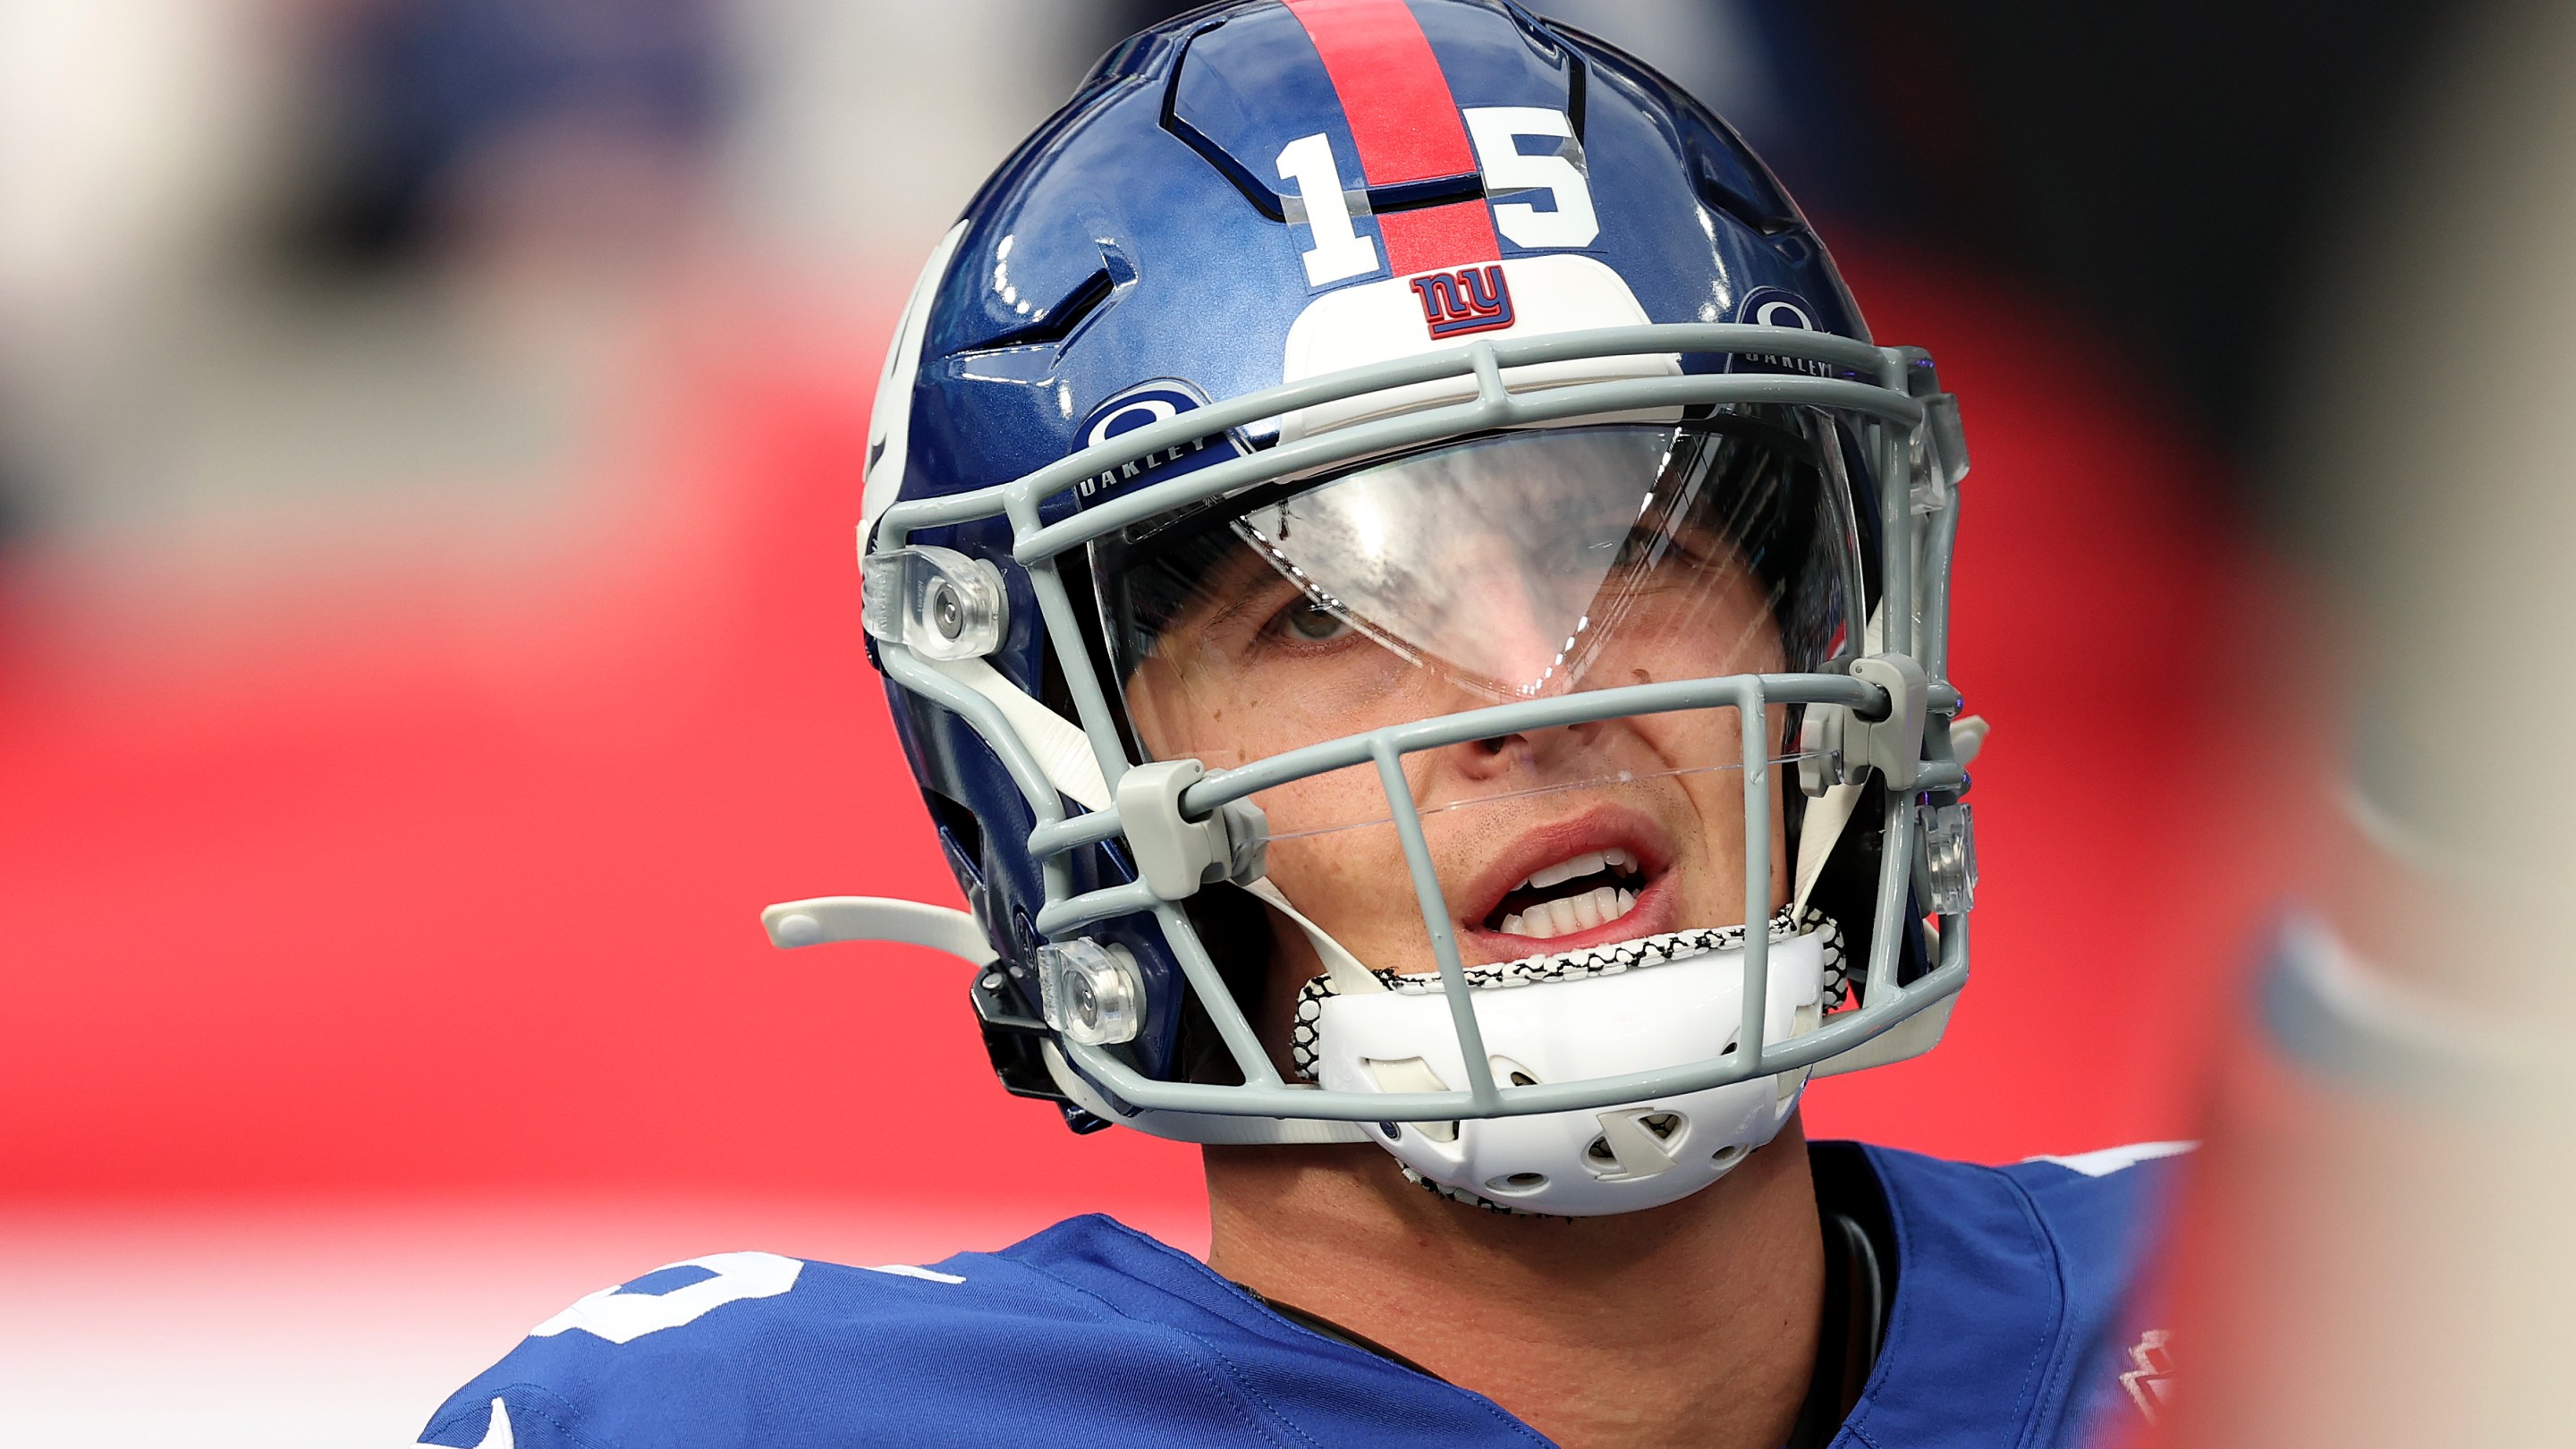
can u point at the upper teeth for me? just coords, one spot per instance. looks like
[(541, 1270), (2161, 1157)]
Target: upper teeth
[(1595, 907), (1589, 863)]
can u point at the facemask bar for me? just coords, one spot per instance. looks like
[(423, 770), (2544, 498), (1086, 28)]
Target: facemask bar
[(1903, 412), (1605, 782)]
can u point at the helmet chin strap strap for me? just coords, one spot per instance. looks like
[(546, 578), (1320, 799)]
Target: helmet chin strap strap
[(1061, 749), (1343, 968), (1063, 755), (1828, 813)]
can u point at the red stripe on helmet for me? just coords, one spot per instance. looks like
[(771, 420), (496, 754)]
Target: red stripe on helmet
[(1438, 236), (1404, 122)]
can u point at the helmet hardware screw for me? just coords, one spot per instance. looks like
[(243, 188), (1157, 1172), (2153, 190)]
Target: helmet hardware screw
[(947, 615)]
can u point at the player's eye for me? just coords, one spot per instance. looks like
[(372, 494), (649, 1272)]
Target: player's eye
[(1308, 622), (1635, 549)]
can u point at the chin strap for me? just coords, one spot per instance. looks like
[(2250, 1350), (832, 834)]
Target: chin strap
[(1061, 749), (791, 924), (1340, 967), (1822, 826)]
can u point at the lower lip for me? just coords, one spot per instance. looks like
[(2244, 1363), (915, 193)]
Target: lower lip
[(1652, 915)]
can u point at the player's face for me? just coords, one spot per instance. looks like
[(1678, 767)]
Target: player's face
[(1514, 570)]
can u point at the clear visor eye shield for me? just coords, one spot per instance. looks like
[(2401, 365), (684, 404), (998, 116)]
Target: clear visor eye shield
[(1497, 702)]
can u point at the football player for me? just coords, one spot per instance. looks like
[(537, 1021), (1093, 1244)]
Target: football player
[(1419, 612)]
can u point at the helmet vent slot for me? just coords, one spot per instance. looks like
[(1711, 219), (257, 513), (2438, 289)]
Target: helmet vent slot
[(1050, 325), (1636, 1143)]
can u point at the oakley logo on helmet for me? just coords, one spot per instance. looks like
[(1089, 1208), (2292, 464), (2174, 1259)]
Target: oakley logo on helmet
[(1142, 406), (1470, 299), (1773, 307)]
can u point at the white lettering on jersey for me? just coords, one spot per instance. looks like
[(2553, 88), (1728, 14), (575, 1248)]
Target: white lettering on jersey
[(926, 1275), (1496, 131), (622, 1317), (1339, 250), (496, 1431), (2112, 1159)]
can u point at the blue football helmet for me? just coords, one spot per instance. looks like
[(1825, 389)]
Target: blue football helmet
[(1419, 613)]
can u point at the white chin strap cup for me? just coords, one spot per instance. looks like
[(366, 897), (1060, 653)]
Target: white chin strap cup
[(1585, 1163)]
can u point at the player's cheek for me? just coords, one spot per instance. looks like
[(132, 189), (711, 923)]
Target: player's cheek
[(1340, 881)]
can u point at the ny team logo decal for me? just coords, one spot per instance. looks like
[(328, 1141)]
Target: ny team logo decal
[(1470, 299)]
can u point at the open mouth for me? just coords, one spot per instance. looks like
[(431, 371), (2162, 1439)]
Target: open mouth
[(1581, 893)]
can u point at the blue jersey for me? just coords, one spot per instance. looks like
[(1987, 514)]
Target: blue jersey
[(2005, 1328)]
